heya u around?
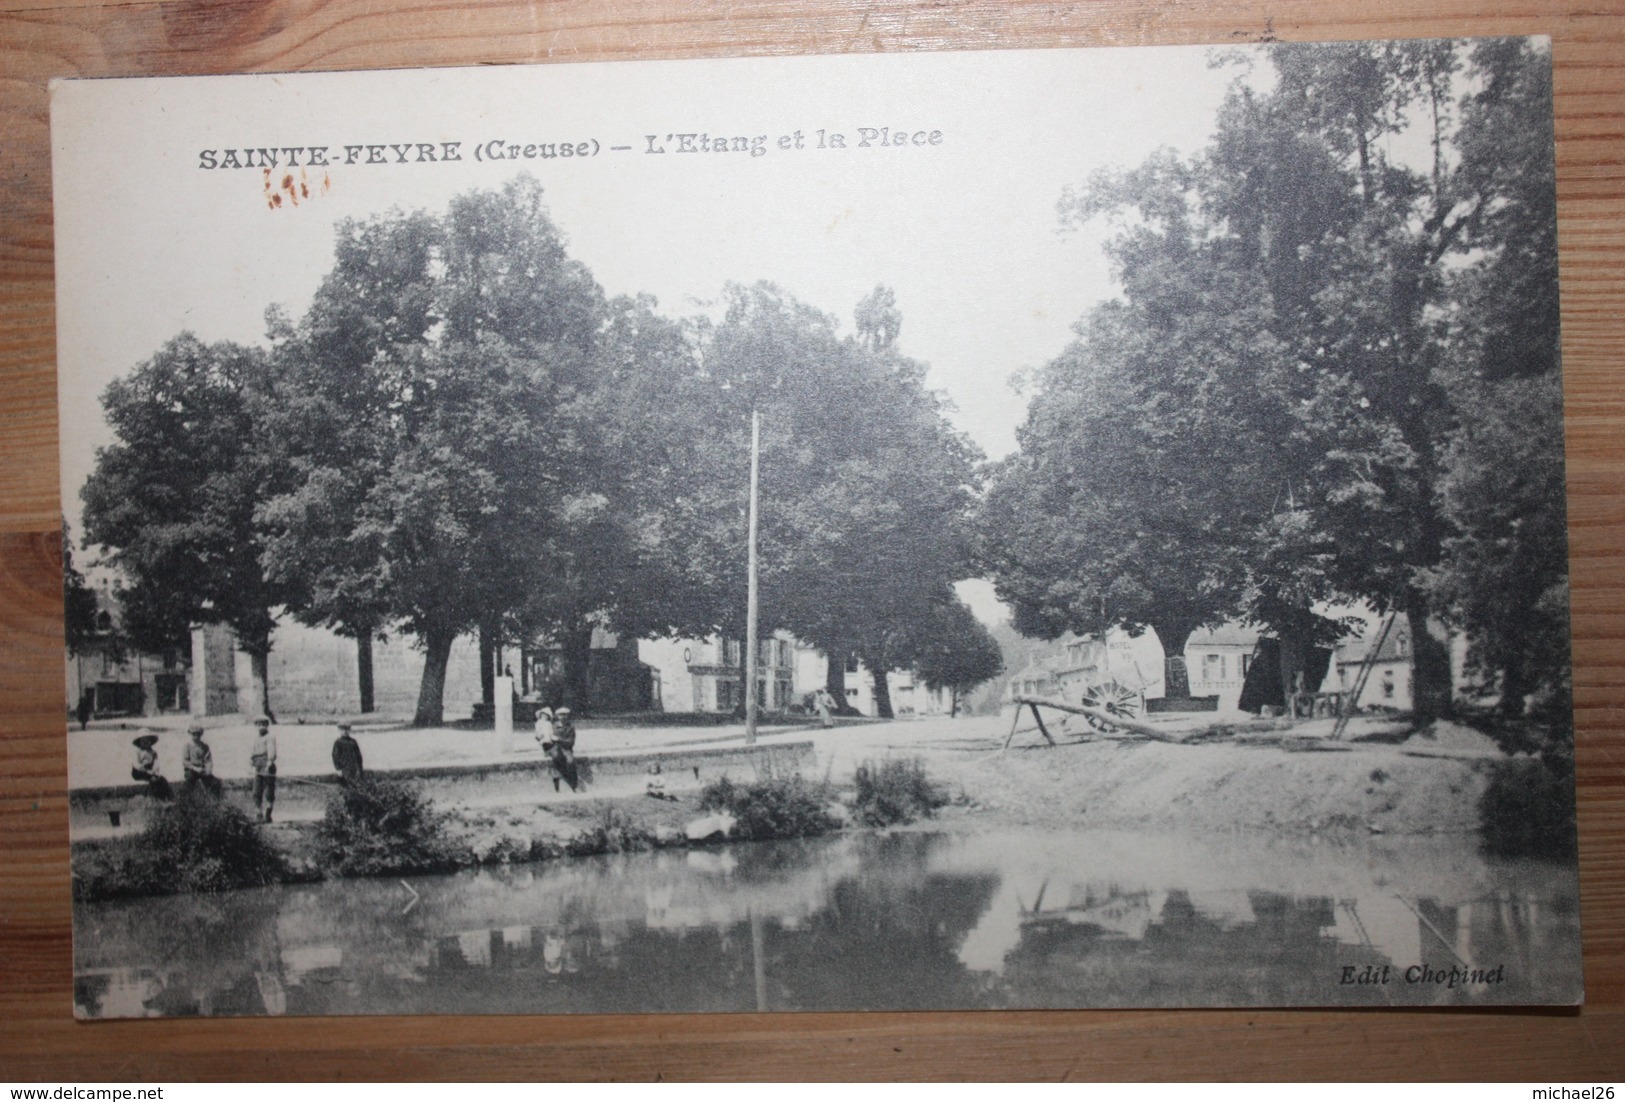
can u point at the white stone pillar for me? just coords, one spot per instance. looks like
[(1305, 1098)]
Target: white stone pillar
[(504, 714)]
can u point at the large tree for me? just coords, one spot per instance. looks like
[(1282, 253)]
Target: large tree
[(1283, 361), (954, 651), (1504, 577), (173, 499), (865, 484), (429, 398)]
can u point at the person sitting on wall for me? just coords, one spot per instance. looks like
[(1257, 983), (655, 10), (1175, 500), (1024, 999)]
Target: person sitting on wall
[(347, 756), (197, 765), (146, 768)]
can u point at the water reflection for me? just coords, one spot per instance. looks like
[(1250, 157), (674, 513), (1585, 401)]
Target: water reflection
[(903, 921)]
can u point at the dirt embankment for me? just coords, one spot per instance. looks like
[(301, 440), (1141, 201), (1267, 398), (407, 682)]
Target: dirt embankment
[(1428, 783)]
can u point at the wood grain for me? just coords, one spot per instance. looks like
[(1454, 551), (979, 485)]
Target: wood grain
[(41, 39)]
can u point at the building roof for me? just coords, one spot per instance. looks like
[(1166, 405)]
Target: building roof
[(1395, 648), (1232, 634)]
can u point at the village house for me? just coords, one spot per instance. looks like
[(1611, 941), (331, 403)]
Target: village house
[(1217, 661), (1389, 683), (111, 678)]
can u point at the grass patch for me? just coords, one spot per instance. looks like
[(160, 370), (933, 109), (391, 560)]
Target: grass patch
[(381, 826), (1527, 810), (774, 807), (196, 844), (895, 791)]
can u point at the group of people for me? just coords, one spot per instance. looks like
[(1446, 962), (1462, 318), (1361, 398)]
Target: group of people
[(197, 765), (555, 731)]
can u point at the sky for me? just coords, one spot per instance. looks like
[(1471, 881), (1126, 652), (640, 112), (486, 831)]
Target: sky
[(960, 220)]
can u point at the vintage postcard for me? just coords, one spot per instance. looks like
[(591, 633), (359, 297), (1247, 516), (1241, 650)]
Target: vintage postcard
[(936, 531)]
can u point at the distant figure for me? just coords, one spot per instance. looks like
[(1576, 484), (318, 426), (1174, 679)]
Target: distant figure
[(263, 758), (562, 749), (655, 787), (197, 765), (87, 708), (824, 704), (146, 768), (347, 756)]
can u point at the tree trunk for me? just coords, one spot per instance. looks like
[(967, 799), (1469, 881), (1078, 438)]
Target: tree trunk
[(1174, 634), (835, 684), (259, 672), (1515, 687), (432, 689), (577, 648), (953, 703), (882, 692), (363, 667), (1430, 664), (1294, 658), (488, 685)]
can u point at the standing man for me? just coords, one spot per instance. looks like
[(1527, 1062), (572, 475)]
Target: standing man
[(197, 764), (347, 756), (263, 758)]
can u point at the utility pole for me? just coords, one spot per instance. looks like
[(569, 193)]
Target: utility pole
[(751, 703)]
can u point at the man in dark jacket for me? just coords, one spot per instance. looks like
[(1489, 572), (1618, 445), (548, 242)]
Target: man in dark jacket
[(347, 756)]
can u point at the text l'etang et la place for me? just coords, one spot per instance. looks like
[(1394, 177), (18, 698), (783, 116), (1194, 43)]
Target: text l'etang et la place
[(509, 148)]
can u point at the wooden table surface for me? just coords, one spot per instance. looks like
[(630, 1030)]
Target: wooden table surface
[(39, 1039)]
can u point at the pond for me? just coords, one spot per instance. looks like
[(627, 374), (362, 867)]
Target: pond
[(905, 921)]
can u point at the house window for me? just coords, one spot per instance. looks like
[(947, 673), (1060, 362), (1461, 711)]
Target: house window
[(851, 663), (1213, 667), (1246, 664)]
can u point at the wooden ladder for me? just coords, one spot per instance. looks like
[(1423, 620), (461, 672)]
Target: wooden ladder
[(1346, 712)]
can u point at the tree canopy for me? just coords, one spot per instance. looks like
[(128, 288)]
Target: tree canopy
[(1286, 405), (462, 433)]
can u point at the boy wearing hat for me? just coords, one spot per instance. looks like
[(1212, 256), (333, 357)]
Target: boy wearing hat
[(146, 768), (263, 758)]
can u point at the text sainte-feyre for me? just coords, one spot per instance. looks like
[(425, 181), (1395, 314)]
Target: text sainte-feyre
[(506, 149), (1425, 974)]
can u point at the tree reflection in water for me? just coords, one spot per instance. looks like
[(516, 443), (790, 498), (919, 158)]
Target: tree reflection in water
[(901, 921)]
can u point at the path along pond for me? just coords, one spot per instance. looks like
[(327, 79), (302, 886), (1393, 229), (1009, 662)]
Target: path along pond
[(906, 920)]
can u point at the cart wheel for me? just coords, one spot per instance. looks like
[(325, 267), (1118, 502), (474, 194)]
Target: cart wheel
[(1112, 698)]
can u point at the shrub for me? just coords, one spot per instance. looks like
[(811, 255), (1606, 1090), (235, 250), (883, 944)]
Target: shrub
[(774, 807), (197, 844), (895, 791), (1527, 810), (380, 826), (614, 833)]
